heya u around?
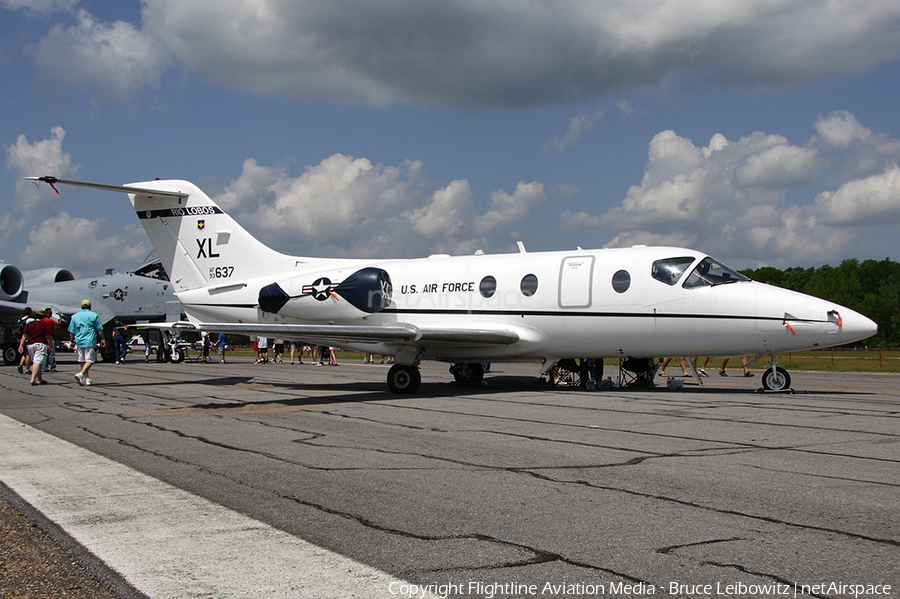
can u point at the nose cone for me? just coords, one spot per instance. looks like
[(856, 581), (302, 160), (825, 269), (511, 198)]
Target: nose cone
[(853, 326), (807, 322)]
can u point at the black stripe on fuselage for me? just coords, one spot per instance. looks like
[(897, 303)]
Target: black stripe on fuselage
[(553, 313), (178, 212)]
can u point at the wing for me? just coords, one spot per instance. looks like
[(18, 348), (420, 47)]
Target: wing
[(336, 335), (13, 310)]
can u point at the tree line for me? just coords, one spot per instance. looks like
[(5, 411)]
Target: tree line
[(871, 287)]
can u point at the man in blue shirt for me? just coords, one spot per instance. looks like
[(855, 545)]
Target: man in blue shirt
[(84, 329), (220, 346)]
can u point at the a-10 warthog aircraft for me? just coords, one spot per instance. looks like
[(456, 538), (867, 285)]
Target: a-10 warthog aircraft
[(639, 302), (142, 296)]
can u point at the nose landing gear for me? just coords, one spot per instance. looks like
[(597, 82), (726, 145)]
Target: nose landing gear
[(776, 379)]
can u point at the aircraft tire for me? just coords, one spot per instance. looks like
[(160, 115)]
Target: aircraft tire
[(176, 355), (108, 353), (10, 355), (776, 380), (470, 373), (403, 379)]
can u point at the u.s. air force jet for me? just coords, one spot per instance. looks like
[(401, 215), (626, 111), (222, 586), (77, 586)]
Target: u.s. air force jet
[(639, 302)]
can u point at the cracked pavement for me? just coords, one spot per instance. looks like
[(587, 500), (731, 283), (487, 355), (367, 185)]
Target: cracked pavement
[(513, 482)]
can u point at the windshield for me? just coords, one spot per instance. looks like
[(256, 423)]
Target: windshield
[(712, 272)]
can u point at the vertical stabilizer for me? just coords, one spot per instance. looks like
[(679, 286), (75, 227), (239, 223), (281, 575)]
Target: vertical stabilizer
[(197, 242)]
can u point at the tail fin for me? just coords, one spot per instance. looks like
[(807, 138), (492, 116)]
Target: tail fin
[(197, 242)]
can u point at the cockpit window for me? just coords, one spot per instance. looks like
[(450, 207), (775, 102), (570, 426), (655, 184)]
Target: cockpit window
[(712, 272), (670, 270)]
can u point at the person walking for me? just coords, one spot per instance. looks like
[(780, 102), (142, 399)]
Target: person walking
[(50, 364), (38, 339), (119, 340), (84, 331), (18, 331)]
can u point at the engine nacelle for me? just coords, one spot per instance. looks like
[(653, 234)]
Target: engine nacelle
[(319, 297), (12, 283), (45, 276)]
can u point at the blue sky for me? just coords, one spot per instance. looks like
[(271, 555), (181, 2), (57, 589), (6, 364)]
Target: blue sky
[(764, 133)]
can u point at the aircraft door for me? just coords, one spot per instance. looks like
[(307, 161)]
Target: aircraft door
[(576, 275)]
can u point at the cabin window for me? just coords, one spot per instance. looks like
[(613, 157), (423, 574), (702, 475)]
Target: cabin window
[(621, 281), (529, 285), (670, 270), (488, 286), (712, 272)]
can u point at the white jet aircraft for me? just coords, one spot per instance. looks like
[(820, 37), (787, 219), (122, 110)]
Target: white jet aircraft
[(640, 302)]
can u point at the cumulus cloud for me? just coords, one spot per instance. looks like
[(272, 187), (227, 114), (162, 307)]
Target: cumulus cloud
[(861, 152), (738, 199), (114, 60), (35, 159), (468, 53), (82, 241), (873, 200), (346, 206), (61, 237)]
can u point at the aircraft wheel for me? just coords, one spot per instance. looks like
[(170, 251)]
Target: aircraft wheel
[(470, 373), (177, 355), (404, 379), (778, 380), (108, 353), (10, 355)]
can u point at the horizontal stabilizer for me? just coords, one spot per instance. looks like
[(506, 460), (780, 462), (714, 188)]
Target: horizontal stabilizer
[(106, 187)]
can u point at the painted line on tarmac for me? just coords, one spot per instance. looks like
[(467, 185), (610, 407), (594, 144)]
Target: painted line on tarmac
[(167, 542)]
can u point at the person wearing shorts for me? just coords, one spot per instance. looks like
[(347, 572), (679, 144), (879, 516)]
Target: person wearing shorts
[(38, 339), (84, 331)]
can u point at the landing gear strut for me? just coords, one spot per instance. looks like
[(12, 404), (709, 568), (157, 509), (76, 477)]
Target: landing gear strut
[(776, 379)]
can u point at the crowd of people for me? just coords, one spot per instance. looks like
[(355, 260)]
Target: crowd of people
[(35, 332), (701, 371)]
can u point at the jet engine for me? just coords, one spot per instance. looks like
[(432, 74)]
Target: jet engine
[(321, 297), (12, 283), (44, 276)]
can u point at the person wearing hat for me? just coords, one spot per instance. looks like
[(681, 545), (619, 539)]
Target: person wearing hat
[(38, 338), (50, 366), (84, 330)]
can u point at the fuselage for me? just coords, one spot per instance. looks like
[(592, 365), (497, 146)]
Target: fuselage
[(629, 302)]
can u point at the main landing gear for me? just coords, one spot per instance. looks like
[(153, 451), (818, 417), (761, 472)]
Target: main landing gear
[(470, 373), (404, 379)]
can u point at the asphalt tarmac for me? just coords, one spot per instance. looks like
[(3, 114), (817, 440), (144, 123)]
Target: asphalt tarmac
[(243, 480)]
